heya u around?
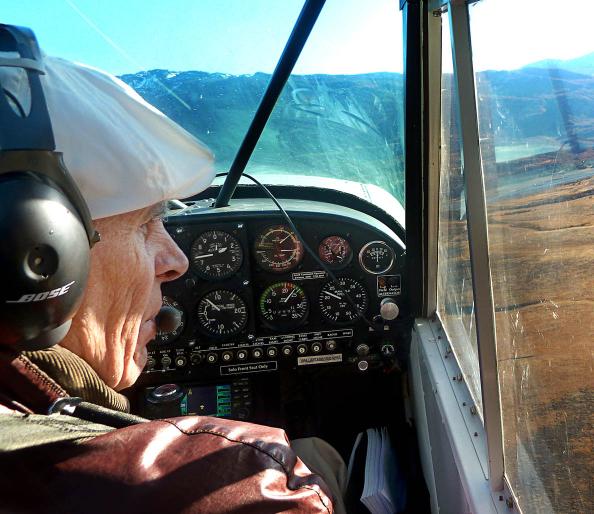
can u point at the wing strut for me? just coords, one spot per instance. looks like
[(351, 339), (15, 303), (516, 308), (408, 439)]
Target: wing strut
[(307, 19)]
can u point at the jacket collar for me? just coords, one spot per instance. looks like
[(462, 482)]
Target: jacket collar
[(33, 381)]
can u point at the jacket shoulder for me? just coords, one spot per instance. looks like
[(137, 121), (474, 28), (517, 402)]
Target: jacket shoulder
[(190, 464)]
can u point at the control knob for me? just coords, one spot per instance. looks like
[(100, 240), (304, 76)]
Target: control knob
[(168, 319), (164, 401), (362, 350), (389, 309)]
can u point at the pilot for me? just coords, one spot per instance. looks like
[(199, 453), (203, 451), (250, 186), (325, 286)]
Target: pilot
[(127, 158)]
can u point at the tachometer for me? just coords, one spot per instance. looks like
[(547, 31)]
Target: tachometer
[(168, 337), (284, 305), (334, 304), (216, 255), (222, 313), (278, 249), (335, 251), (376, 257)]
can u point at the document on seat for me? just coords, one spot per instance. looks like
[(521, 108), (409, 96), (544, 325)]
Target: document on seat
[(384, 490)]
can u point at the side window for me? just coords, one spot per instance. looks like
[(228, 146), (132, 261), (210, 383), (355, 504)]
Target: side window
[(454, 287), (534, 74)]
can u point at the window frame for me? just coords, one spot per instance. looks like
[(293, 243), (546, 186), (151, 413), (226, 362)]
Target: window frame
[(457, 10)]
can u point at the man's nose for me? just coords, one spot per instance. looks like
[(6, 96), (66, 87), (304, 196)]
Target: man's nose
[(171, 262)]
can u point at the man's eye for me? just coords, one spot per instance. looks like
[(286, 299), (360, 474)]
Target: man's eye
[(152, 224)]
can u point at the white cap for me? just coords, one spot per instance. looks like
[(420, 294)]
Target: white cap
[(122, 152)]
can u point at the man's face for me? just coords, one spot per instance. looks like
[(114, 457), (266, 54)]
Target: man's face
[(117, 317)]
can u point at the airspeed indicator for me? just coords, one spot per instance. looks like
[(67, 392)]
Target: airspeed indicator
[(284, 305)]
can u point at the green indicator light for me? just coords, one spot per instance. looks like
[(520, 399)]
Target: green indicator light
[(184, 406)]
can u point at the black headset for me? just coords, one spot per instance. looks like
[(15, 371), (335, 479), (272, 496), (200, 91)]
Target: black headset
[(45, 226)]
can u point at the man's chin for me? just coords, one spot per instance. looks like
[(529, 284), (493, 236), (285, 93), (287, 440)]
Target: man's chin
[(140, 357), (147, 332), (133, 369)]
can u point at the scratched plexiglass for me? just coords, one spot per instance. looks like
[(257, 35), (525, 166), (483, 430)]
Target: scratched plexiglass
[(536, 120)]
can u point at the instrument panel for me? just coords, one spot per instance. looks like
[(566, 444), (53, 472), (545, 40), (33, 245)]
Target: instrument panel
[(256, 300)]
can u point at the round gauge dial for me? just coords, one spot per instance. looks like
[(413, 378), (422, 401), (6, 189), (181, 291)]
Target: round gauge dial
[(278, 249), (335, 251), (334, 305), (168, 337), (216, 255), (376, 257), (284, 305), (222, 313)]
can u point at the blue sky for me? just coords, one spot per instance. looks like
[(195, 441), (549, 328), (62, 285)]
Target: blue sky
[(245, 36), (230, 36)]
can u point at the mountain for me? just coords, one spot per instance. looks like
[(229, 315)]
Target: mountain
[(347, 126), (583, 65), (351, 126), (537, 103)]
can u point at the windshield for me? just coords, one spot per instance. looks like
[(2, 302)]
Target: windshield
[(340, 115), (206, 65)]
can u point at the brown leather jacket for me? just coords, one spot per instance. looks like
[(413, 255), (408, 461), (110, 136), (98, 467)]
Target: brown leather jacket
[(56, 463)]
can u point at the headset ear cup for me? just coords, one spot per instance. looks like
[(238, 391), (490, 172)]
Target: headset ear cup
[(44, 261)]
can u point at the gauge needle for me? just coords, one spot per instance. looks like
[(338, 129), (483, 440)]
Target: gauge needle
[(333, 295), (283, 240), (203, 256), (214, 306), (205, 313), (287, 250), (285, 300)]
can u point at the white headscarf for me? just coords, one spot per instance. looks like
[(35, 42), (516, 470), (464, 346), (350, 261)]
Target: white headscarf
[(122, 152)]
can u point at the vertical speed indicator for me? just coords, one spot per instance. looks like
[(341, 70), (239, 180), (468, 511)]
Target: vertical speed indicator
[(222, 313)]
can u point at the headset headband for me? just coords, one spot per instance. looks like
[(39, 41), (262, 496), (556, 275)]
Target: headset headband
[(26, 139)]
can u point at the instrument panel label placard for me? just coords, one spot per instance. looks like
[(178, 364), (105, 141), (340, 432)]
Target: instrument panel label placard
[(251, 367), (319, 359), (389, 285), (306, 336), (308, 275)]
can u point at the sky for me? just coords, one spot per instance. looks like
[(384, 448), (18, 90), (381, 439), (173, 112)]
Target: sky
[(247, 36), (228, 36)]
